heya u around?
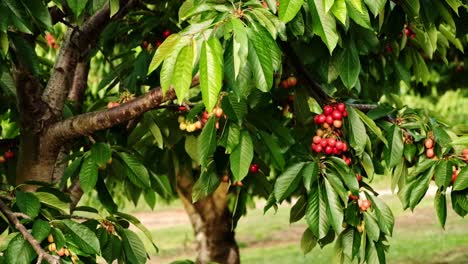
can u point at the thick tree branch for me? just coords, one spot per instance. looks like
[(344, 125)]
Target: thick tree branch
[(88, 123), (77, 44), (13, 219), (314, 88)]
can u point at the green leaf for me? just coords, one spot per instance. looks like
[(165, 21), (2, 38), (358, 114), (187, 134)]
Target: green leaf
[(133, 247), (316, 213), (4, 43), (411, 7), (113, 249), (53, 201), (40, 229), (310, 174), (440, 204), (371, 125), (385, 217), (361, 17), (443, 173), (207, 141), (372, 228), (235, 108), (206, 184), (334, 209), (79, 235), (288, 181), (461, 182), (357, 131), (274, 149), (211, 72), (70, 171), (393, 152), (114, 6), (441, 137), (182, 76), (454, 4), (375, 6), (191, 147), (139, 225), (156, 132), (368, 165), (324, 24), (240, 45), (19, 251), (260, 60), (298, 210), (28, 203), (308, 241), (340, 11), (136, 171), (77, 6), (163, 51), (288, 9), (88, 174), (328, 4), (241, 157), (101, 153), (39, 11), (349, 65)]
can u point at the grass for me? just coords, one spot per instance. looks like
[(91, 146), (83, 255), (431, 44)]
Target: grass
[(417, 239)]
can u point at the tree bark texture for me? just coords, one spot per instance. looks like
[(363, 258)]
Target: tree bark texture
[(211, 221)]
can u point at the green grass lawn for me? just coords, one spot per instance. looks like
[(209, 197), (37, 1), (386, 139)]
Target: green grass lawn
[(417, 239)]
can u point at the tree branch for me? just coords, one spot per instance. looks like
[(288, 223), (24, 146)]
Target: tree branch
[(80, 82), (13, 219), (314, 88), (88, 123), (77, 44)]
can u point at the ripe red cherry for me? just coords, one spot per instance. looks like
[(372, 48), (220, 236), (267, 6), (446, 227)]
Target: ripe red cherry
[(331, 142), (339, 145), (345, 147), (345, 113), (337, 115), (353, 197), (321, 118), (317, 148), (359, 177), (454, 175), (329, 120), (341, 107), (327, 110), (158, 43), (317, 139), (336, 151), (145, 44), (408, 32), (9, 154), (430, 153), (328, 150), (284, 84), (465, 151), (429, 143), (182, 108), (225, 178), (364, 204), (253, 168), (166, 33), (324, 142)]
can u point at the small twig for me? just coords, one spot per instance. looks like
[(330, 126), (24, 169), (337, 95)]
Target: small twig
[(364, 107), (42, 254), (21, 215)]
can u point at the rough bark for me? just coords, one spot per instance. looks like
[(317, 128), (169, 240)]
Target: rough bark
[(211, 221)]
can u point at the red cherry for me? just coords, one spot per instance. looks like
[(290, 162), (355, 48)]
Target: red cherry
[(364, 205), (292, 81), (166, 33), (9, 154), (327, 110), (339, 145), (337, 115), (317, 148), (336, 151), (353, 197), (182, 108), (413, 36), (316, 121), (359, 177), (345, 113), (345, 147), (206, 115), (112, 105), (158, 43), (317, 139), (331, 142), (329, 120), (465, 152), (253, 168), (430, 153), (321, 118), (328, 150), (341, 107), (145, 44), (429, 143), (284, 84), (324, 142), (454, 175), (389, 49), (408, 32), (225, 178)]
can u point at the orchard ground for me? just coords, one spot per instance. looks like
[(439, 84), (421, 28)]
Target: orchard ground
[(270, 238)]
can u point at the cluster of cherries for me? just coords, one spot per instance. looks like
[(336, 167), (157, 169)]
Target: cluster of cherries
[(51, 41), (326, 140), (61, 252), (6, 156), (289, 82), (147, 46), (189, 126), (429, 144)]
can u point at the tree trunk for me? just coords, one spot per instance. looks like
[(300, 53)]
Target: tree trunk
[(211, 221)]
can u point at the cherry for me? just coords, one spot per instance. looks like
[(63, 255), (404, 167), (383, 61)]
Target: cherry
[(353, 197), (182, 108), (389, 49), (337, 115), (225, 178), (329, 120), (2, 159), (239, 183), (218, 111), (158, 43), (336, 151), (359, 177), (345, 147), (454, 176), (408, 32), (145, 44), (341, 107), (331, 142), (413, 36), (166, 33), (321, 118), (317, 139), (337, 123), (328, 150), (339, 145), (364, 204), (324, 142), (206, 115), (465, 152), (317, 148), (292, 81), (429, 143), (430, 153), (198, 125), (345, 113), (319, 132), (328, 110), (254, 168), (284, 84), (264, 4), (9, 154)]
